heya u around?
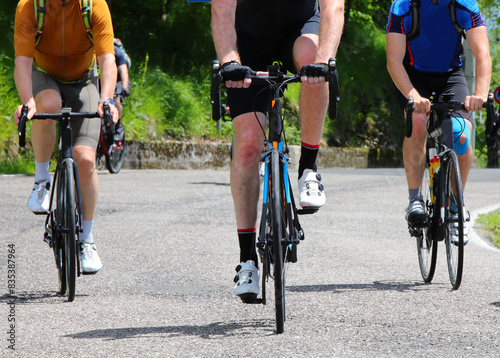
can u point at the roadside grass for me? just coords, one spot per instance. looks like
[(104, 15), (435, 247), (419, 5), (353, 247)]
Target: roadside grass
[(491, 222)]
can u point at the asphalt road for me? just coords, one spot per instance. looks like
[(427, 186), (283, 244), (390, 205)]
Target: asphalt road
[(168, 244)]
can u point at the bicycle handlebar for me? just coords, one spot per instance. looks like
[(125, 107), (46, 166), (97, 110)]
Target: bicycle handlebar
[(276, 78), (441, 107), (65, 114)]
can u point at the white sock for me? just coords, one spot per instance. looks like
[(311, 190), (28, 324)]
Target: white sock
[(42, 171), (86, 235)]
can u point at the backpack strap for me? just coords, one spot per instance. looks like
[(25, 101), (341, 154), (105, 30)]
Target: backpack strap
[(453, 15), (415, 20), (87, 17), (40, 12)]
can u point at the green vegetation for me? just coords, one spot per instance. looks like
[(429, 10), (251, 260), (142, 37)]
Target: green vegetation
[(491, 224), (171, 48)]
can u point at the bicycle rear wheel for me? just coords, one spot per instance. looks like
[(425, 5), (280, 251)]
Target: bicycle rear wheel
[(278, 218), (426, 244), (114, 159), (68, 212), (454, 194)]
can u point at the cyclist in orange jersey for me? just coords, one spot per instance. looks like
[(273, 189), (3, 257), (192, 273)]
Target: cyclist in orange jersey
[(55, 66)]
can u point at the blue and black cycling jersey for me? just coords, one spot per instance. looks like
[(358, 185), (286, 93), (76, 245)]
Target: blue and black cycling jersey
[(120, 59), (438, 47), (271, 19)]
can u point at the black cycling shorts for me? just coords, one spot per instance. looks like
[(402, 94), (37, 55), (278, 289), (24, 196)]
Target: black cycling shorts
[(258, 53), (439, 83)]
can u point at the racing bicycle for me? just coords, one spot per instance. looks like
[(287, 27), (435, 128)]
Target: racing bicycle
[(112, 146), (280, 231), (63, 219), (442, 191)]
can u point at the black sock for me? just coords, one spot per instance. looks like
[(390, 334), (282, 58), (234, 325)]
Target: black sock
[(308, 154), (248, 251)]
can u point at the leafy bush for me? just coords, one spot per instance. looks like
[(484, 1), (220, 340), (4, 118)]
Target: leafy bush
[(368, 115)]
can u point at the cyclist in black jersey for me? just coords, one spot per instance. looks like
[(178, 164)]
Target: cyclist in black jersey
[(251, 34)]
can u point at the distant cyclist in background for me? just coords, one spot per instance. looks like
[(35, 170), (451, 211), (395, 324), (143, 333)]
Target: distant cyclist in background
[(251, 34), (55, 67), (122, 89), (424, 47)]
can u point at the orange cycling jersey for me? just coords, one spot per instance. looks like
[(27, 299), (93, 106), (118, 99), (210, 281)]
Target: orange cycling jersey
[(65, 50)]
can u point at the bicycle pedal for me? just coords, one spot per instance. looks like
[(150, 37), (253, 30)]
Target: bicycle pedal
[(250, 299), (307, 211), (415, 232), (48, 239), (41, 212), (89, 273)]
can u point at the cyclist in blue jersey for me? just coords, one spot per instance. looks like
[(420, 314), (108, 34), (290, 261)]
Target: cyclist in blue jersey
[(424, 48), (122, 89), (251, 34)]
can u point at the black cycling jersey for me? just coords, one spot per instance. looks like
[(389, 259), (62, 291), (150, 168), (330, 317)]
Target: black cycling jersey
[(272, 18)]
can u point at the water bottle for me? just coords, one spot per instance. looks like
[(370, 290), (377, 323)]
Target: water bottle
[(433, 169)]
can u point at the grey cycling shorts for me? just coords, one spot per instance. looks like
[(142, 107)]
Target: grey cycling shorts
[(80, 96)]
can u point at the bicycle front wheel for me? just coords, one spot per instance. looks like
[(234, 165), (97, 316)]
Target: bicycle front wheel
[(278, 217), (454, 216), (114, 159), (68, 212), (426, 244)]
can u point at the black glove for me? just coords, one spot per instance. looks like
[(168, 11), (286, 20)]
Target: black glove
[(125, 92), (315, 70), (233, 71)]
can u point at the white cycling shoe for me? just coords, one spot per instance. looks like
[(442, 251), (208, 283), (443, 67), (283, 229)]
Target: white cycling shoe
[(89, 258), (39, 200), (312, 192), (246, 281)]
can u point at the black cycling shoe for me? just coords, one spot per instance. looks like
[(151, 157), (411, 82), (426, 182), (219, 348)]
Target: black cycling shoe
[(415, 213)]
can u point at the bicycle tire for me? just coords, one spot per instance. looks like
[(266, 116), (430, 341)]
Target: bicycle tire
[(57, 238), (454, 193), (114, 158), (427, 246), (68, 221), (278, 218)]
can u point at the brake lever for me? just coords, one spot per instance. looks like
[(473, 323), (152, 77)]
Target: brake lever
[(21, 132), (110, 128), (409, 117), (333, 84)]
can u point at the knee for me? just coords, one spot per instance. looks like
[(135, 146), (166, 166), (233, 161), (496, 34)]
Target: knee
[(85, 163), (46, 102), (461, 135), (248, 150), (419, 129), (304, 50)]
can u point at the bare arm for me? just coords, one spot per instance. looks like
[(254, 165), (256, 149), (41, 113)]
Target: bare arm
[(22, 77), (223, 30), (108, 82), (396, 49), (330, 29), (478, 40), (224, 34)]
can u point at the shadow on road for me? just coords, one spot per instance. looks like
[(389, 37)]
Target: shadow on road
[(212, 330), (209, 183), (375, 286), (37, 297)]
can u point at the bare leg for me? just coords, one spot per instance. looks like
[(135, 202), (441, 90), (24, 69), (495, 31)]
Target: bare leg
[(414, 152), (465, 161), (89, 182), (313, 99), (43, 133), (245, 182)]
